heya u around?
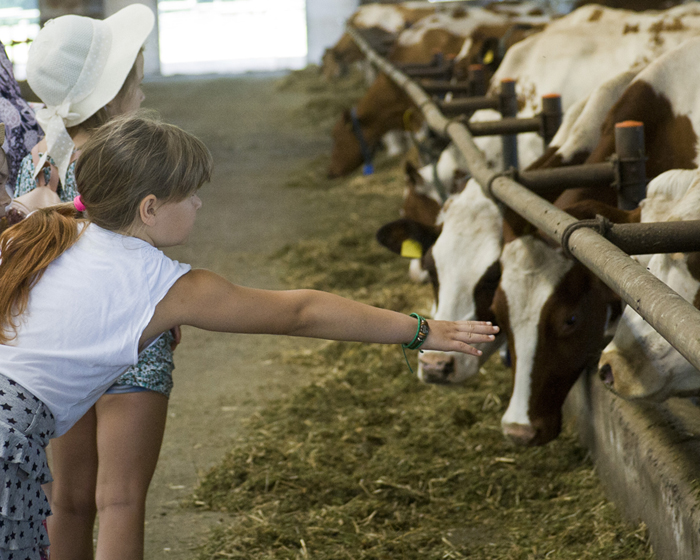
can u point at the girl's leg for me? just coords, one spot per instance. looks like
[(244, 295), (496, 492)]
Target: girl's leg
[(74, 469), (130, 430)]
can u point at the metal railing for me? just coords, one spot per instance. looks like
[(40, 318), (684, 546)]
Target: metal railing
[(668, 313)]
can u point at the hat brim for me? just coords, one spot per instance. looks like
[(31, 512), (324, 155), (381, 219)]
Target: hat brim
[(130, 28)]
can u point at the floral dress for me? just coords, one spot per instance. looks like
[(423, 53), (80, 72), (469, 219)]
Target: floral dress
[(22, 132), (155, 366)]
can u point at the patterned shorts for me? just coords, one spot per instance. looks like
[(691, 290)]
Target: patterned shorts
[(153, 371), (26, 425)]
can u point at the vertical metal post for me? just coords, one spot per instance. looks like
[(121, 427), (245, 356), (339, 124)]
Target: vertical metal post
[(629, 146), (551, 116), (477, 80), (509, 108)]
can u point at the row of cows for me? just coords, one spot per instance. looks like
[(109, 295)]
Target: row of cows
[(484, 261)]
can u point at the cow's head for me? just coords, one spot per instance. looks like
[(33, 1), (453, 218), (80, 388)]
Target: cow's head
[(347, 153), (639, 363), (554, 313), (332, 66), (489, 43), (420, 202), (380, 110), (464, 271)]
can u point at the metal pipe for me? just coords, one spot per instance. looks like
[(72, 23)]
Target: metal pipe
[(506, 126), (656, 237), (562, 178), (445, 86), (477, 77), (551, 115), (434, 72), (673, 317), (509, 108), (468, 105), (629, 147)]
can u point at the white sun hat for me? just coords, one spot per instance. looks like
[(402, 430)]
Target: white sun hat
[(77, 65)]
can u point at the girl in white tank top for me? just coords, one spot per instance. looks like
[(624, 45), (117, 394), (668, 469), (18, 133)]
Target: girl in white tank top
[(138, 180)]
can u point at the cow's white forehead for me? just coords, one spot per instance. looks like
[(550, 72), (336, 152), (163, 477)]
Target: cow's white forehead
[(389, 18), (460, 26), (469, 243), (531, 270)]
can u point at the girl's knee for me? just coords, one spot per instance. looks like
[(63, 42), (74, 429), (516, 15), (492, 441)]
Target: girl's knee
[(127, 495)]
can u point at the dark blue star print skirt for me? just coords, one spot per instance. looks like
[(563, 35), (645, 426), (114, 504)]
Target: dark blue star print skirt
[(26, 426)]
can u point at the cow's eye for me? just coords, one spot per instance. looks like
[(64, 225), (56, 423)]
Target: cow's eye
[(570, 321)]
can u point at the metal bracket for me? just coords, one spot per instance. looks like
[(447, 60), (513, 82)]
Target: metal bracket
[(600, 224)]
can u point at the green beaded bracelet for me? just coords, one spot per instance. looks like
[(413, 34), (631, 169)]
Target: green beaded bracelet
[(421, 334)]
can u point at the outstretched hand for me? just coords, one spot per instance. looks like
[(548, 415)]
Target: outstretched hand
[(458, 336)]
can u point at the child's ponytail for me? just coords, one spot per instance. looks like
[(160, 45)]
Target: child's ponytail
[(27, 248)]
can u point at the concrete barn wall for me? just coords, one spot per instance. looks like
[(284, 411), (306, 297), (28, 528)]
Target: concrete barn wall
[(647, 458)]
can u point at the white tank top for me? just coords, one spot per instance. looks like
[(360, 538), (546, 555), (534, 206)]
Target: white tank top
[(84, 320)]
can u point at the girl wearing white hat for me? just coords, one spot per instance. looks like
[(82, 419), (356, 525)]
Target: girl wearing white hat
[(87, 72)]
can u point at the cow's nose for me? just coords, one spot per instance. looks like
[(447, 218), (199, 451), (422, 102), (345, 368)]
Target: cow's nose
[(436, 367), (606, 375), (520, 434)]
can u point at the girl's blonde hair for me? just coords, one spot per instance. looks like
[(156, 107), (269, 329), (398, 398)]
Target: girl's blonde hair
[(124, 161)]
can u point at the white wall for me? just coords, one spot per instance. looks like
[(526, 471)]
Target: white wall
[(151, 53), (325, 22)]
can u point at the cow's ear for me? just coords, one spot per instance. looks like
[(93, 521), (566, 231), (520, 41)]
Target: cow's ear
[(589, 209), (413, 177), (397, 236), (459, 181)]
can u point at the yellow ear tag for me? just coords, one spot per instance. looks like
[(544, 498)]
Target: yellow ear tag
[(410, 248), (488, 57)]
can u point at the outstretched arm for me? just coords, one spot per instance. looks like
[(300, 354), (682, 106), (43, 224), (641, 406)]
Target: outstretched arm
[(206, 300)]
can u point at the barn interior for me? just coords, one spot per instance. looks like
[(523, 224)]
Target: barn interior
[(296, 448)]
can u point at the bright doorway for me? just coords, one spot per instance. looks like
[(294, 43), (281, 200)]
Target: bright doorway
[(222, 36)]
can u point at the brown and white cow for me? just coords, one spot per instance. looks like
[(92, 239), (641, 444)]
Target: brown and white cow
[(552, 309), (383, 22), (577, 53), (384, 105), (461, 256), (605, 73), (639, 363)]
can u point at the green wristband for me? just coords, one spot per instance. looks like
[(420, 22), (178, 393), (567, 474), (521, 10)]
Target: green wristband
[(421, 333)]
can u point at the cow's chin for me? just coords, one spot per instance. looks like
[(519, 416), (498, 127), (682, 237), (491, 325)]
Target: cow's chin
[(539, 431), (450, 368), (632, 379)]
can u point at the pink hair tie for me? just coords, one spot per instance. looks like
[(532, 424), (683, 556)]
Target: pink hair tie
[(78, 203)]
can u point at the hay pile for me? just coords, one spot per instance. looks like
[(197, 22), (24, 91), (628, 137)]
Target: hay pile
[(325, 100), (368, 463)]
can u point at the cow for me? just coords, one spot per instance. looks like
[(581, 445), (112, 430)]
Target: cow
[(654, 34), (384, 105), (639, 363), (580, 134), (382, 22), (577, 53), (556, 324)]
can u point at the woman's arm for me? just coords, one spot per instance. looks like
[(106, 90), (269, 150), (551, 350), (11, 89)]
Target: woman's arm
[(206, 300)]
